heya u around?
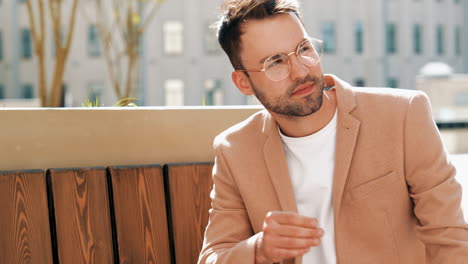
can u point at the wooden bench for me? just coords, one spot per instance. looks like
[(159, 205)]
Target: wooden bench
[(141, 214)]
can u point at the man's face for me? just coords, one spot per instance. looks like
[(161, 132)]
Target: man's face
[(299, 94)]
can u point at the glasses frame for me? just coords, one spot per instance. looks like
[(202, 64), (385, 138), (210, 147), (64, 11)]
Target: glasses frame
[(289, 61)]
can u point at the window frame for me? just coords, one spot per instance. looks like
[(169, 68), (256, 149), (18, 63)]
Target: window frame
[(328, 31), (391, 41), (26, 48)]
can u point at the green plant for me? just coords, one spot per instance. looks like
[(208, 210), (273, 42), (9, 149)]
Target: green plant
[(126, 102), (89, 103)]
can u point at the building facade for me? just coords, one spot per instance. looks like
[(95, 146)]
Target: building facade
[(367, 43)]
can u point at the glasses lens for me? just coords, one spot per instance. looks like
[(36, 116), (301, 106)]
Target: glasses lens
[(309, 52), (277, 67)]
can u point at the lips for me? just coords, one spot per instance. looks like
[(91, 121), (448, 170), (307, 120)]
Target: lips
[(303, 89)]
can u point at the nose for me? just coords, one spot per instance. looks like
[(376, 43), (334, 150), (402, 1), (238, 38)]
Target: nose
[(297, 69)]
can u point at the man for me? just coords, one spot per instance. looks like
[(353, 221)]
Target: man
[(327, 173)]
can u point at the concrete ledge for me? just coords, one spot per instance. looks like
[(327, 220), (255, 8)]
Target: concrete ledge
[(87, 137)]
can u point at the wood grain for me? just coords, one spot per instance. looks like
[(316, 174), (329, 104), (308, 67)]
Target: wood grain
[(82, 216), (24, 219), (190, 187), (140, 214)]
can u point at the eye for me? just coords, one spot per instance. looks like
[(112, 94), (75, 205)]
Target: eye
[(275, 60), (305, 48)]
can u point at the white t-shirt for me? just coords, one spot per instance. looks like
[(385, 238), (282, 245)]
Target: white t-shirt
[(311, 162)]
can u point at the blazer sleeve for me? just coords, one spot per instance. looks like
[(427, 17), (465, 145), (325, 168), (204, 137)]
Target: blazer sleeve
[(229, 237), (432, 185)]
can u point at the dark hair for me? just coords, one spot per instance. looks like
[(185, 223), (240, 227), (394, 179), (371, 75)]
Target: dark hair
[(235, 12)]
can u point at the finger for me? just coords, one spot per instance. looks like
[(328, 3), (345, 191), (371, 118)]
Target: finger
[(291, 242), (290, 218), (293, 231), (279, 254)]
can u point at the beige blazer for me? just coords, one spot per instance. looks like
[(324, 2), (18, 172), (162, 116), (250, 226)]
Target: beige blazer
[(395, 198)]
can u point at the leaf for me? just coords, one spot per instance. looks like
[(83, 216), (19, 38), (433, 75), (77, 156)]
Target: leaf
[(88, 103), (136, 18), (126, 102)]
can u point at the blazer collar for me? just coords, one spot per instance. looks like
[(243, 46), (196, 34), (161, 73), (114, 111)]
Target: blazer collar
[(346, 137), (345, 95)]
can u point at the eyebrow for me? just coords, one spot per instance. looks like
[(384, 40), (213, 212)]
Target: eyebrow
[(264, 59)]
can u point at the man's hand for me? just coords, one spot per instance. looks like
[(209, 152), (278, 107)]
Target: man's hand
[(286, 235)]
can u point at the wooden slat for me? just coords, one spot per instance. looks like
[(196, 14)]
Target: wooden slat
[(24, 219), (82, 215), (190, 187), (140, 214)]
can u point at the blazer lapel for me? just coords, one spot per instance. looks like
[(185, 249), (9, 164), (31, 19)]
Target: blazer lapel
[(276, 164), (347, 133), (346, 137)]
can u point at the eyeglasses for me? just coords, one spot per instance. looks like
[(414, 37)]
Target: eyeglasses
[(277, 67)]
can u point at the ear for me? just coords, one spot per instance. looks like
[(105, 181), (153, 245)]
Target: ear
[(242, 82)]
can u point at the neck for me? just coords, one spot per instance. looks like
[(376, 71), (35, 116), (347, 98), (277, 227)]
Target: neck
[(308, 125)]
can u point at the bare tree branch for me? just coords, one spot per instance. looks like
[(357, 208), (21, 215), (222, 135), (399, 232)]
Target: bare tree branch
[(38, 37), (149, 18), (120, 25), (71, 29)]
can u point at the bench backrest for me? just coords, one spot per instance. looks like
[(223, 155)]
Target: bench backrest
[(139, 214)]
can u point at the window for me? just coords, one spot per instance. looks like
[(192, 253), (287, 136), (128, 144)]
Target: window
[(461, 99), (213, 92), (1, 45), (26, 48), (358, 31), (95, 90), (458, 41), (28, 91), (390, 38), (94, 46), (2, 91), (328, 36), (417, 39), (64, 95), (173, 37), (174, 92), (392, 82), (359, 82), (211, 46), (439, 40)]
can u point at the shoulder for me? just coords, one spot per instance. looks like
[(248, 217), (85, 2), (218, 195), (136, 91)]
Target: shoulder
[(387, 97), (377, 93), (246, 131), (386, 105)]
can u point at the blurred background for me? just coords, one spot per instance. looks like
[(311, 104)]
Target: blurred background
[(164, 53)]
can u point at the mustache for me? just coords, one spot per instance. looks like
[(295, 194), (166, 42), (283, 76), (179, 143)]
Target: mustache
[(307, 79)]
